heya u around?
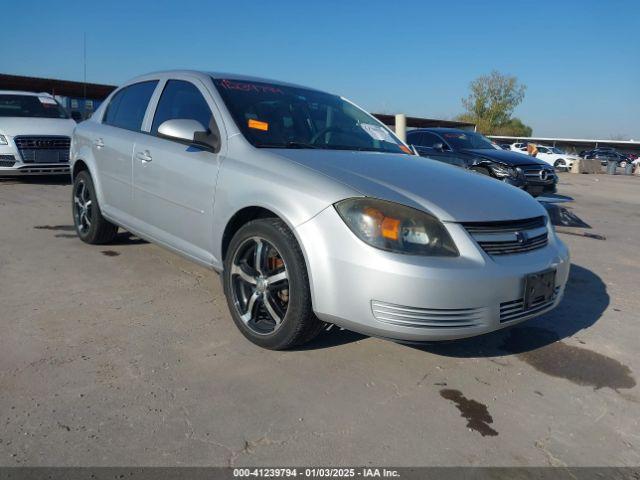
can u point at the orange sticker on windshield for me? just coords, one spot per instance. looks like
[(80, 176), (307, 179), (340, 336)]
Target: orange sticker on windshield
[(406, 149), (258, 125)]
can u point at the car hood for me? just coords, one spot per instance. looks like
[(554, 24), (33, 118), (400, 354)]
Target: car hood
[(14, 126), (450, 193), (506, 156)]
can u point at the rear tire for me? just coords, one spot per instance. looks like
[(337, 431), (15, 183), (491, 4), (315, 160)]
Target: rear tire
[(267, 286), (90, 225)]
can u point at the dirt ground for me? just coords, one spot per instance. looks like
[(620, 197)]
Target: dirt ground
[(125, 355)]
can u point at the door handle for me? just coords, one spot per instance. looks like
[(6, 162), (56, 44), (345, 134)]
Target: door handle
[(98, 143), (144, 156)]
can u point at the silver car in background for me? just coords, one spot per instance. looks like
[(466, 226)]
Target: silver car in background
[(35, 133), (312, 211)]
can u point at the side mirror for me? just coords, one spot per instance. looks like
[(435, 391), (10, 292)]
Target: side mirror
[(77, 116), (190, 132)]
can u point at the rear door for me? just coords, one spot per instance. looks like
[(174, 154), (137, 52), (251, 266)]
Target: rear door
[(173, 183), (113, 146)]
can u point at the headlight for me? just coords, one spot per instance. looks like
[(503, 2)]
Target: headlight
[(396, 228), (3, 140), (502, 171)]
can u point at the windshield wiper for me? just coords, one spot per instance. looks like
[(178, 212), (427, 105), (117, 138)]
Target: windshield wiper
[(301, 145), (357, 149), (287, 145)]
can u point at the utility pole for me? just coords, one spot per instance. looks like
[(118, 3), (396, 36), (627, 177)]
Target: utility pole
[(84, 62)]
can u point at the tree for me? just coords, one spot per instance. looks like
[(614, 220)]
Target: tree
[(514, 128), (492, 101), (619, 136)]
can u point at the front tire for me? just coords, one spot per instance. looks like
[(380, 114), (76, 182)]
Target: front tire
[(90, 225), (560, 165), (267, 286)]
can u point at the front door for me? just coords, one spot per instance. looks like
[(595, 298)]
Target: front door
[(173, 183)]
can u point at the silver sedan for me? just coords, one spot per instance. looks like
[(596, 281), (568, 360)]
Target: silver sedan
[(313, 212)]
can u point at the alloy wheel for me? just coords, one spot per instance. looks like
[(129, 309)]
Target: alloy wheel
[(82, 206), (259, 285)]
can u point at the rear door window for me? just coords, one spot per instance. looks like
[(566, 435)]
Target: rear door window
[(127, 107)]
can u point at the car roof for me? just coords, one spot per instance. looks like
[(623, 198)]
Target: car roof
[(216, 75), (21, 92)]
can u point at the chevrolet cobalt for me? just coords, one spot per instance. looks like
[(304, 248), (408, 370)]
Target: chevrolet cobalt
[(313, 212)]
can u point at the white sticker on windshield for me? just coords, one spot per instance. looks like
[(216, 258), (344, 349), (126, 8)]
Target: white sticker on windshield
[(377, 132), (47, 100)]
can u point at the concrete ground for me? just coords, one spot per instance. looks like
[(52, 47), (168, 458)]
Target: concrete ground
[(125, 355)]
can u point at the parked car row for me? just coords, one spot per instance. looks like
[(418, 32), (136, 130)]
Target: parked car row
[(606, 154), (554, 156)]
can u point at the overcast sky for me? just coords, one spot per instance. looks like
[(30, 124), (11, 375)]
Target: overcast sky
[(580, 60)]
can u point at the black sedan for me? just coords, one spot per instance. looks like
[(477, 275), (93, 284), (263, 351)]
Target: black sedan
[(605, 154), (475, 152)]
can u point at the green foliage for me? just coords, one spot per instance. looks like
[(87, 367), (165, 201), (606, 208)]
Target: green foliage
[(491, 103), (514, 128)]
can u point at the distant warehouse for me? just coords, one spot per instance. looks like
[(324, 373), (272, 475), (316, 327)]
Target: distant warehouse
[(81, 99)]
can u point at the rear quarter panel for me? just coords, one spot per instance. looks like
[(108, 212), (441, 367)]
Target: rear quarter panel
[(82, 150)]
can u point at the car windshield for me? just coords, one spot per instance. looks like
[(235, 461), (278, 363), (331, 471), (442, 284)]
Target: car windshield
[(280, 116), (557, 150), (467, 141), (31, 106)]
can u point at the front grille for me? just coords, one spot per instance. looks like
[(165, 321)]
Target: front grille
[(514, 310), (7, 160), (510, 237), (43, 149), (533, 172), (403, 316)]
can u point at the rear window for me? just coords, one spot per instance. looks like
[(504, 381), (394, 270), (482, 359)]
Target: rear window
[(467, 140), (31, 106), (128, 106)]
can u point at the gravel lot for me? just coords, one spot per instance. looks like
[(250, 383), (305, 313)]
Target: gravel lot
[(125, 355)]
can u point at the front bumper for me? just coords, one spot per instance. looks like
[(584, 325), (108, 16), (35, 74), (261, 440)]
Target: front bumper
[(13, 164), (533, 187), (418, 299), (536, 189), (22, 169)]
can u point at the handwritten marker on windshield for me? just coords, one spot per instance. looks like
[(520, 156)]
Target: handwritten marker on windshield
[(258, 125)]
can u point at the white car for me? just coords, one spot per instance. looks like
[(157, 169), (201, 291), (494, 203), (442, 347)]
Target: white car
[(554, 156), (519, 147), (35, 134)]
